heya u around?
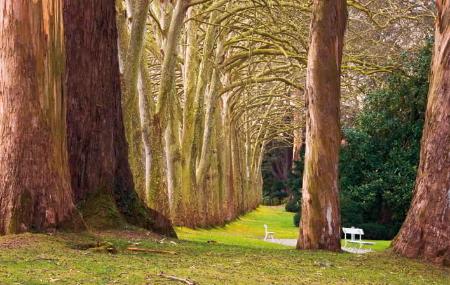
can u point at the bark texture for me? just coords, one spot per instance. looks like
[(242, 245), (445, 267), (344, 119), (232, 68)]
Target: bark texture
[(426, 231), (98, 150), (320, 218), (35, 192)]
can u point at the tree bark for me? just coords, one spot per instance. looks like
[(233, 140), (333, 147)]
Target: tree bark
[(298, 132), (425, 233), (35, 192), (158, 195), (320, 218), (98, 150)]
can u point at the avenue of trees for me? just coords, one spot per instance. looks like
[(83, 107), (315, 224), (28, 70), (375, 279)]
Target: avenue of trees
[(160, 113)]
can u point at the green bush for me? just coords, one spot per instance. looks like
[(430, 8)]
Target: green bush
[(297, 219), (266, 201), (378, 165), (292, 206), (272, 201), (378, 231)]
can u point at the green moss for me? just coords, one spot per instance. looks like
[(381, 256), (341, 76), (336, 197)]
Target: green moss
[(20, 214), (100, 212)]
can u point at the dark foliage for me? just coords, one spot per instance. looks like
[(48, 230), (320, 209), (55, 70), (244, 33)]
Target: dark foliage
[(378, 165), (276, 170)]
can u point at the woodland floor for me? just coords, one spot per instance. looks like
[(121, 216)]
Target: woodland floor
[(237, 255)]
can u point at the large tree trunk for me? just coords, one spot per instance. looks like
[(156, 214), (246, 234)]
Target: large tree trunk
[(320, 218), (35, 192), (426, 231), (98, 150)]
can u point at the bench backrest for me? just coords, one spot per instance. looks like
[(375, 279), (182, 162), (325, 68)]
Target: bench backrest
[(352, 232), (265, 228)]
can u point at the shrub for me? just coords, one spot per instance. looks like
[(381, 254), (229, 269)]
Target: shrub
[(378, 165), (297, 219), (292, 206), (378, 231)]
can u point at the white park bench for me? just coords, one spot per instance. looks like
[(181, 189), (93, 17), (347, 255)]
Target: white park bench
[(268, 234), (353, 232)]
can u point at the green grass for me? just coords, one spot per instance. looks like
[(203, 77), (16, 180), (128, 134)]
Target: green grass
[(238, 257), (249, 230)]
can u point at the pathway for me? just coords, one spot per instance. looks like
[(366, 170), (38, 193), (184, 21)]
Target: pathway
[(293, 243)]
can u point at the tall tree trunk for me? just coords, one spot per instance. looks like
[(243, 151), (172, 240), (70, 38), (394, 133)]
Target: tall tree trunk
[(426, 231), (158, 195), (98, 150), (320, 218), (298, 131), (35, 192)]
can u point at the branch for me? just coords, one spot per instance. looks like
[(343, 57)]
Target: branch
[(197, 2), (186, 281)]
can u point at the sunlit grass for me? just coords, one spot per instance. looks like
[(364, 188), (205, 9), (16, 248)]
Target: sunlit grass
[(239, 256), (249, 230)]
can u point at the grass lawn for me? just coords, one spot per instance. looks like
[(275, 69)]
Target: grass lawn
[(238, 257), (249, 230)]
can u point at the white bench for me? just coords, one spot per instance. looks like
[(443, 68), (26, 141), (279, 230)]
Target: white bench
[(268, 234), (353, 232)]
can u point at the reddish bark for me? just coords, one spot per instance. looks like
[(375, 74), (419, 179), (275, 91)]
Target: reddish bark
[(35, 192), (320, 217), (98, 149), (426, 231)]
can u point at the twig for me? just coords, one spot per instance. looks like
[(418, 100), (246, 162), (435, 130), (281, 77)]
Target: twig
[(151, 250), (185, 281)]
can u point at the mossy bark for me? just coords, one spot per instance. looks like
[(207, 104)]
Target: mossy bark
[(98, 150)]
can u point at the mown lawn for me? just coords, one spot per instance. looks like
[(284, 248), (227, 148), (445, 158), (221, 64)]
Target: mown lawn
[(237, 257), (249, 230)]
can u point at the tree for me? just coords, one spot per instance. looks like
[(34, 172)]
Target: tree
[(426, 231), (320, 218), (35, 191), (98, 152)]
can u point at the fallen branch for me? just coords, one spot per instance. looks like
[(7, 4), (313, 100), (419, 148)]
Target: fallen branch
[(151, 250), (185, 281)]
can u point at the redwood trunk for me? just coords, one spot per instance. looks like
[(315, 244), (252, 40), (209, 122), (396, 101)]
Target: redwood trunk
[(35, 192), (98, 150), (320, 218), (426, 231)]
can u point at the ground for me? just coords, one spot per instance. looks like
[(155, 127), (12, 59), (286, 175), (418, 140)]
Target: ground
[(234, 254)]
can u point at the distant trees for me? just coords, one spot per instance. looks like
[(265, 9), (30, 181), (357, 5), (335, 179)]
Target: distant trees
[(206, 131), (320, 216), (426, 231)]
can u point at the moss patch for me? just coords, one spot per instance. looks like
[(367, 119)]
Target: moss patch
[(100, 212)]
